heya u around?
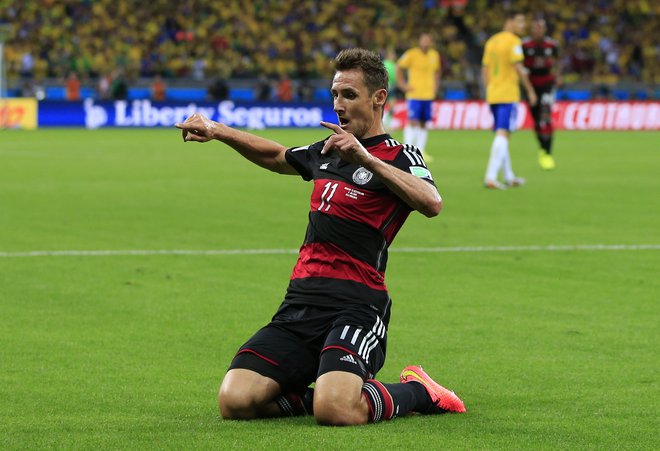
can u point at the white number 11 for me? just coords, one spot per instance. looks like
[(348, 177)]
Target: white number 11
[(329, 190)]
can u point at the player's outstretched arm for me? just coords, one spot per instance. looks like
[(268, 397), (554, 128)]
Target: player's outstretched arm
[(417, 193), (261, 151)]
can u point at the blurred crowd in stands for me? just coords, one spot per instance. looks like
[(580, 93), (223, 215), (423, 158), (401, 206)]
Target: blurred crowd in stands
[(112, 42)]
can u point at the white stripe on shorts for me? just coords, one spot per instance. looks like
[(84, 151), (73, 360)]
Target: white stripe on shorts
[(344, 332), (355, 336)]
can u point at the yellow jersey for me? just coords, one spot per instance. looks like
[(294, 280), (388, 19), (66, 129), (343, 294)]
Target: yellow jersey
[(502, 51), (422, 68)]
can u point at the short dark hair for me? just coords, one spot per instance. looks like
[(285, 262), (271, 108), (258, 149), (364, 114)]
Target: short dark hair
[(375, 74), (512, 13)]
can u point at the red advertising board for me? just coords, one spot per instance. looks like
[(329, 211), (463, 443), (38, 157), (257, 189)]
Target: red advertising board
[(475, 115)]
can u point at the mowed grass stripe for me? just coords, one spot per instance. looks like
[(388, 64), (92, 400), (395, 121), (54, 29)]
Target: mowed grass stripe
[(407, 250)]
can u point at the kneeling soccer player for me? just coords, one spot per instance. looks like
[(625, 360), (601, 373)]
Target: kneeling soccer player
[(331, 328)]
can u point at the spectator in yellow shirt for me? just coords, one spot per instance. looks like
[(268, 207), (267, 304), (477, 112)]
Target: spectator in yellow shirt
[(422, 67), (502, 71)]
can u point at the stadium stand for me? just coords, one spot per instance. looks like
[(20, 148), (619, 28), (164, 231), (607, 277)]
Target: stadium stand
[(609, 47)]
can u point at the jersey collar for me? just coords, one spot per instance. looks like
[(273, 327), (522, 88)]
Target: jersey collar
[(372, 141)]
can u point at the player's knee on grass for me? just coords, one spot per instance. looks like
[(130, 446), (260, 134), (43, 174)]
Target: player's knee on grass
[(338, 400), (338, 412), (243, 393), (236, 405)]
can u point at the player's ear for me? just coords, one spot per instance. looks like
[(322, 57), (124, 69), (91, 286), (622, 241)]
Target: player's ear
[(380, 97)]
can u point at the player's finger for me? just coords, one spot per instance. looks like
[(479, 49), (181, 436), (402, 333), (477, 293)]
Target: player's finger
[(194, 137), (187, 125), (334, 127), (326, 147), (329, 144)]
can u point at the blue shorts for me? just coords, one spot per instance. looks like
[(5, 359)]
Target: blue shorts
[(504, 115), (419, 110)]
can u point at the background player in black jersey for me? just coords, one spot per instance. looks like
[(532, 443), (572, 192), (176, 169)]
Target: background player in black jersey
[(542, 61), (331, 328)]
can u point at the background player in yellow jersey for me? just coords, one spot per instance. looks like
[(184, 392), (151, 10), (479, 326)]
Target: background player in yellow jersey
[(418, 75), (502, 71)]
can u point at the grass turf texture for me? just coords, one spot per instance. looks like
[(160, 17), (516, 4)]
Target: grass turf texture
[(547, 349)]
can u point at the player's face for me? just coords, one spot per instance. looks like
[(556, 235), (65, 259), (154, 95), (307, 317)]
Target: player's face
[(538, 29), (519, 24), (355, 107), (425, 42)]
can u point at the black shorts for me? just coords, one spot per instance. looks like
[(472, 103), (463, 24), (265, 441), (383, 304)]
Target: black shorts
[(303, 342)]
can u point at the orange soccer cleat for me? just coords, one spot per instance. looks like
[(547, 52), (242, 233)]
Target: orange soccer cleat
[(443, 399)]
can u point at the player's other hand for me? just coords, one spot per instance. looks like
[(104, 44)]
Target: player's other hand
[(531, 97), (345, 144), (197, 128)]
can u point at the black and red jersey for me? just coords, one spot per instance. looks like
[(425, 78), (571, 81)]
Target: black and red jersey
[(353, 219), (540, 59)]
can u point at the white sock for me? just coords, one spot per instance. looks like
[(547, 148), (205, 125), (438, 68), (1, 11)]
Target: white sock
[(410, 134), (422, 136), (499, 147), (506, 165)]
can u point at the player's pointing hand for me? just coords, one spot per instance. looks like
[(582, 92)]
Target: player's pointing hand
[(197, 128), (334, 127), (345, 144)]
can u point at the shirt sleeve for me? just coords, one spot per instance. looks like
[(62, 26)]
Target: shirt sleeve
[(410, 159), (517, 51), (300, 159), (404, 61)]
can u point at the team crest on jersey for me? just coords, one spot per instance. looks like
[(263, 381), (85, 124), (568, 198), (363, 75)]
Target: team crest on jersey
[(362, 176)]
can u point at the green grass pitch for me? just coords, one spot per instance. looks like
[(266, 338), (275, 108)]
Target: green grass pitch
[(548, 349)]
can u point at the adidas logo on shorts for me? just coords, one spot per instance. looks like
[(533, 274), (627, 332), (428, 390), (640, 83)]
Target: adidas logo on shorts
[(349, 358)]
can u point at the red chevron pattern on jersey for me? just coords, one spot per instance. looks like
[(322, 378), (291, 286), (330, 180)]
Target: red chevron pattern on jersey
[(540, 58), (345, 200), (353, 218), (327, 261)]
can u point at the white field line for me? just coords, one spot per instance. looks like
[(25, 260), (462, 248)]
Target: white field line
[(408, 250)]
